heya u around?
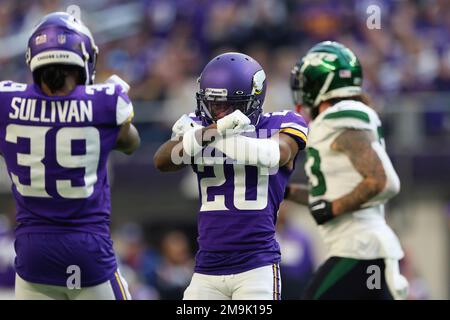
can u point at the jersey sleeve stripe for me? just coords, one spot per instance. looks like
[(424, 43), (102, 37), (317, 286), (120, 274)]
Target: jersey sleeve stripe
[(355, 114), (295, 132), (295, 126)]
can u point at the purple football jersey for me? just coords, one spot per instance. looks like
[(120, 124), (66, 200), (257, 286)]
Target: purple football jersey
[(239, 205), (56, 151)]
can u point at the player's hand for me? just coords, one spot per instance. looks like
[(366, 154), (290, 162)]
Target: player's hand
[(322, 211), (234, 123), (115, 79), (183, 125)]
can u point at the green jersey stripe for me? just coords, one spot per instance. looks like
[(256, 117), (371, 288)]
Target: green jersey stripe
[(339, 270), (349, 114)]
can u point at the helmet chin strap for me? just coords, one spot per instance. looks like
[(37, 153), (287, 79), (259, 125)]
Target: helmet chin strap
[(206, 111), (257, 108)]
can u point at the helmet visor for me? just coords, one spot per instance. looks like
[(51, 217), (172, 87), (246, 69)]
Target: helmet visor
[(216, 108), (220, 109)]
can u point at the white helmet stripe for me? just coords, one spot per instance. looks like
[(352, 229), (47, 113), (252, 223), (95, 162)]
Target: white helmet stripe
[(80, 27)]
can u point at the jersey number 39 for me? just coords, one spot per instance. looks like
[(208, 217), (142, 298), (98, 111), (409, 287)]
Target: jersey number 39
[(34, 160)]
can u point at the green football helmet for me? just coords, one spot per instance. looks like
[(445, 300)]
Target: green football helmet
[(329, 70)]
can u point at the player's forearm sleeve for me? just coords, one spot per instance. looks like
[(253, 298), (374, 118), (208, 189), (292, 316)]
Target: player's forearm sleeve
[(250, 151), (191, 146)]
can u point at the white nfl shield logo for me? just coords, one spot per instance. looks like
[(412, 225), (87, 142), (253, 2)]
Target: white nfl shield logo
[(61, 38)]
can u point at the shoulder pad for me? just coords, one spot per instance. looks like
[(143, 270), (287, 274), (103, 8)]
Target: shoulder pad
[(349, 114)]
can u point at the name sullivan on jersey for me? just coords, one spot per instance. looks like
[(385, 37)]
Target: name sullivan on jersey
[(51, 111)]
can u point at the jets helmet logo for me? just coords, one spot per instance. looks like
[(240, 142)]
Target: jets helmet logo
[(316, 58)]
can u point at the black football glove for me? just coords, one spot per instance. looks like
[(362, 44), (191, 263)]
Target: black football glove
[(321, 211)]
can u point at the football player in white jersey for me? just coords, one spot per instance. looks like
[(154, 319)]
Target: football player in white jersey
[(350, 179)]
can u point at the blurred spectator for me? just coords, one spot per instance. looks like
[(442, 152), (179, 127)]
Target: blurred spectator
[(176, 268), (7, 255), (162, 273), (418, 288), (297, 258), (137, 262)]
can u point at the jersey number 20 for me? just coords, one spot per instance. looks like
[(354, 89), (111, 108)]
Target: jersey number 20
[(239, 201)]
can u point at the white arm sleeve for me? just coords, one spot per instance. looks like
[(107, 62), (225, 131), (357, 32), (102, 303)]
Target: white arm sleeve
[(250, 151), (191, 146)]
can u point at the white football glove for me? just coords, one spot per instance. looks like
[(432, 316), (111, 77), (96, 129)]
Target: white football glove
[(183, 125), (115, 79), (234, 123)]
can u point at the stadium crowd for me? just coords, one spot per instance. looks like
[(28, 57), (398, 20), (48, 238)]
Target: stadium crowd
[(175, 38)]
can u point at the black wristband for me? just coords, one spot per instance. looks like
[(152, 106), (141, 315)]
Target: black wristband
[(322, 211)]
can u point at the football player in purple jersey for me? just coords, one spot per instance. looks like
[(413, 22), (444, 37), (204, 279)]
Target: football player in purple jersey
[(243, 159), (56, 135)]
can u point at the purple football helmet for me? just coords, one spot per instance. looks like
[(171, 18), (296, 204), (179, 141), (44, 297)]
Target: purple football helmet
[(60, 38), (229, 82)]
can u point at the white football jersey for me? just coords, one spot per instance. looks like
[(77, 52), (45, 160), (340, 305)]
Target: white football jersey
[(362, 234)]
